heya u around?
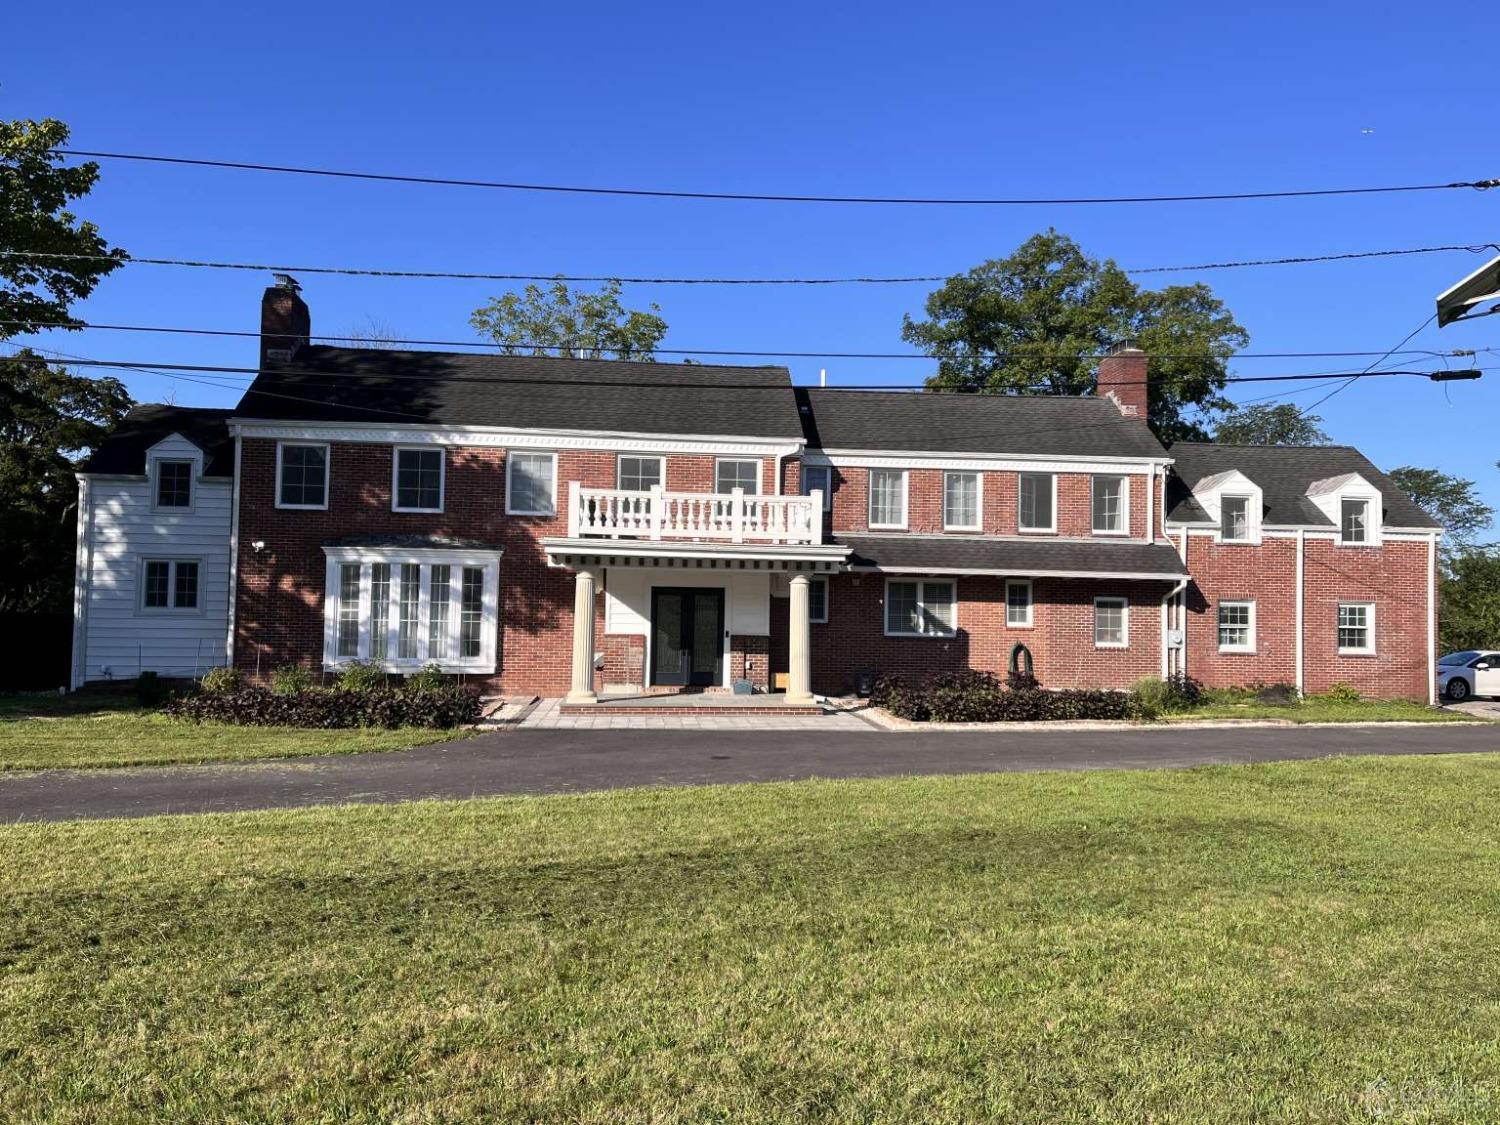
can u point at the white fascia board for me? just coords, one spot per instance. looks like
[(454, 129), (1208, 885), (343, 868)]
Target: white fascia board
[(629, 441), (925, 459)]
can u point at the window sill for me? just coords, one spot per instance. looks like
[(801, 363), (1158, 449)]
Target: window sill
[(1357, 652), (1119, 645), (302, 507), (922, 636), (1028, 625), (1236, 651), (1036, 530), (417, 511), (1102, 533), (543, 515), (974, 530), (886, 526)]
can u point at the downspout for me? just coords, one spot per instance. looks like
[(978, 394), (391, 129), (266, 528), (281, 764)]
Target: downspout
[(1301, 550), (234, 554), (780, 457)]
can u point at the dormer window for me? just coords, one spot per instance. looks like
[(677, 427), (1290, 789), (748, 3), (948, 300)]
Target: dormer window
[(1354, 520), (174, 484), (1234, 519)]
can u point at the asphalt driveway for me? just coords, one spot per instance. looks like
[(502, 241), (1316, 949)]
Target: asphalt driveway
[(522, 761)]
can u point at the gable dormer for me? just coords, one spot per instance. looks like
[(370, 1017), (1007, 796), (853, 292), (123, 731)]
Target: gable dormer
[(174, 466), (1352, 504), (1235, 504)]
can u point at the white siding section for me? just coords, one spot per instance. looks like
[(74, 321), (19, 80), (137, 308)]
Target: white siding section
[(119, 639), (627, 598)]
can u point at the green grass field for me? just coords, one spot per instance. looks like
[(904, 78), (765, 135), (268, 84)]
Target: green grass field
[(86, 731), (1318, 709), (1291, 942)]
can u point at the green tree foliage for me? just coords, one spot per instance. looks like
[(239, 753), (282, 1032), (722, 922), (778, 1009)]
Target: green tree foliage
[(1034, 322), (1448, 499), (48, 417), (560, 320), (1469, 596), (1269, 424), (35, 191)]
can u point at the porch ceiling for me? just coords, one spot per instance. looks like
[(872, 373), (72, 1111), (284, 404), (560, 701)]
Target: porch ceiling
[(687, 554)]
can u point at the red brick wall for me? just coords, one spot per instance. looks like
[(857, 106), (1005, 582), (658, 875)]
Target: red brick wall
[(624, 659), (750, 659)]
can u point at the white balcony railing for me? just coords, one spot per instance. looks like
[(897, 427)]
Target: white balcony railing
[(729, 517)]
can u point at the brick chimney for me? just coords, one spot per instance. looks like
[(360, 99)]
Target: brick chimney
[(1122, 377), (285, 322)]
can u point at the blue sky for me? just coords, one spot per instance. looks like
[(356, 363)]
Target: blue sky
[(875, 98)]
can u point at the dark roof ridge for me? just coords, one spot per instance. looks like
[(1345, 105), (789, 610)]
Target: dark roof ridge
[(502, 355), (1259, 445)]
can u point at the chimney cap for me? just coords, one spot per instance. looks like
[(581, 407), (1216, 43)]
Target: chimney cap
[(287, 281), (1121, 347)]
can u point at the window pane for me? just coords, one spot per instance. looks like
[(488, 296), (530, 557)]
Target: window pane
[(304, 474), (419, 478), (638, 474), (531, 483), (380, 610), (406, 621), (818, 478), (1036, 501), (174, 484), (901, 615), (471, 612), (1109, 622), (185, 586), (348, 639), (1109, 503), (1235, 518), (158, 585), (937, 607), (1018, 603), (737, 474), (1355, 520), (887, 499), (817, 599), (439, 595), (961, 499), (1354, 626), (1234, 625)]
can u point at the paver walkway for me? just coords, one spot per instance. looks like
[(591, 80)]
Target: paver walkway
[(548, 716)]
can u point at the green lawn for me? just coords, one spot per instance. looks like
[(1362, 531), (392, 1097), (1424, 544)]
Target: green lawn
[(1316, 709), (83, 731), (1291, 942)]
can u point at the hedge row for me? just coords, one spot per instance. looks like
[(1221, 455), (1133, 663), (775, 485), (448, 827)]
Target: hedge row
[(439, 708), (978, 697)]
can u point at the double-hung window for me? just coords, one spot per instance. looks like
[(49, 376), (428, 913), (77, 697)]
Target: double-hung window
[(920, 608), (301, 475), (1111, 500), (732, 473), (818, 478), (1354, 520), (1234, 519), (1237, 626), (961, 501), (1111, 623), (403, 612), (638, 474), (169, 584), (888, 498), (417, 479), (817, 600), (174, 484), (531, 484), (1018, 603), (1036, 510), (1356, 627)]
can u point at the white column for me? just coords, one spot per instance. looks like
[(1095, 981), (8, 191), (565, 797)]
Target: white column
[(799, 673), (582, 690)]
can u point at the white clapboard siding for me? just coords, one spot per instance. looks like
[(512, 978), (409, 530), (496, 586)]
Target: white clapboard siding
[(119, 638)]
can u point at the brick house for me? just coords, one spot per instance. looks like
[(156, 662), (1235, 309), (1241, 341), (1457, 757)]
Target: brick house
[(575, 527)]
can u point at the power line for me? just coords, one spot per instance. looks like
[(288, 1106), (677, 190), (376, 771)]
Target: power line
[(1344, 386), (655, 193), (456, 275), (487, 344)]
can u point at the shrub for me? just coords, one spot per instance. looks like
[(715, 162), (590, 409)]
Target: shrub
[(901, 698), (1183, 692), (977, 697), (430, 678), (1022, 681), (1341, 693), (440, 708), (1148, 697), (291, 679), (149, 689), (360, 676), (217, 681), (1278, 695)]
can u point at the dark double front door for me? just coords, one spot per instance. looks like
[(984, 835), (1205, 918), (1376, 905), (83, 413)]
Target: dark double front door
[(687, 636)]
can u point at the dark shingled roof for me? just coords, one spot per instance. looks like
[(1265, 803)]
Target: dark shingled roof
[(1010, 556), (998, 425), (375, 385), (124, 450), (1284, 473)]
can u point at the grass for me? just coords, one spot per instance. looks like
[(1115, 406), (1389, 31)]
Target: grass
[(84, 731), (1289, 942), (1318, 709)]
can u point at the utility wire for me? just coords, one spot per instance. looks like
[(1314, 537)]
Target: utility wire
[(454, 275), (654, 193), (1344, 386)]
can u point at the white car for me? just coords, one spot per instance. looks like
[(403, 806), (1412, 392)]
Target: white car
[(1463, 675)]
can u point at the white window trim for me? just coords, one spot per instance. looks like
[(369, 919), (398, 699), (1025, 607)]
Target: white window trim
[(1124, 529), (510, 460), (827, 471), (870, 501), (1030, 603), (1372, 521), (1249, 647), (759, 471), (661, 466), (1367, 650), (168, 610), (1124, 604), (155, 484), (327, 475), (1051, 528), (396, 452), (918, 581), (366, 557), (978, 525), (1252, 519), (827, 589)]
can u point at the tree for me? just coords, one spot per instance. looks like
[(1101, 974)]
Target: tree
[(48, 418), (1448, 499), (1035, 322), (1269, 424), (560, 320), (1469, 596)]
